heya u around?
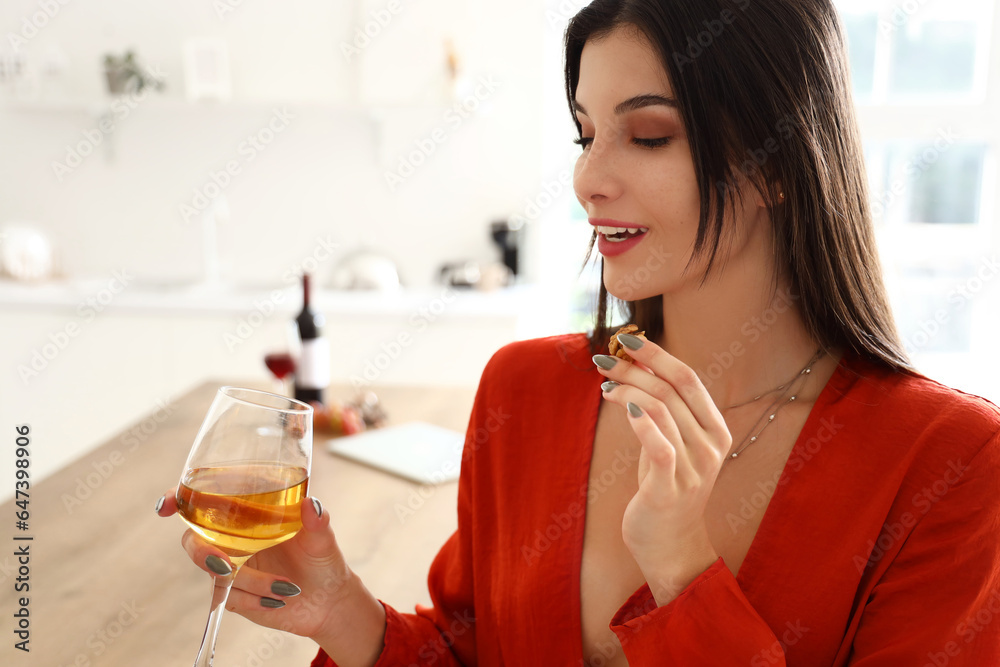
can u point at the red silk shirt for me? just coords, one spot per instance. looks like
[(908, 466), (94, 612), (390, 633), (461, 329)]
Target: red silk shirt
[(880, 546)]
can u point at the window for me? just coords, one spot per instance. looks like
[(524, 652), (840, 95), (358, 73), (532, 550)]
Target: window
[(920, 74)]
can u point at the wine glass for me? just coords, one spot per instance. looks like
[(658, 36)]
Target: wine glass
[(243, 483), (281, 359), (281, 365)]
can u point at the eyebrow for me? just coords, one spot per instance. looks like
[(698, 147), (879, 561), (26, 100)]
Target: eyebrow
[(635, 103)]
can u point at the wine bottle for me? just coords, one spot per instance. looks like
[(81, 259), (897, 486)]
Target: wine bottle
[(312, 372)]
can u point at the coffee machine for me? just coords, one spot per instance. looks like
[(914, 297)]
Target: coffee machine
[(508, 234)]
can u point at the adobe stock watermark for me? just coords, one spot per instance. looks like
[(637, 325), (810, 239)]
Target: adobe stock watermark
[(7, 569), (248, 150), (418, 322), (968, 630), (101, 640), (121, 107), (914, 169), (752, 329), (697, 45), (627, 287), (35, 23), (103, 468), (605, 652), (431, 651), (59, 340), (549, 192), (265, 306), (495, 419), (225, 7), (758, 500), (922, 502), (378, 20), (623, 463), (452, 120), (559, 17), (901, 13), (268, 647), (775, 653), (957, 298), (758, 157)]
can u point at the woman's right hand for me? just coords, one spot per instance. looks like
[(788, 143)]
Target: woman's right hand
[(333, 608)]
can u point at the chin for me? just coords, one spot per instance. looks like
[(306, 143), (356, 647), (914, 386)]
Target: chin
[(624, 285)]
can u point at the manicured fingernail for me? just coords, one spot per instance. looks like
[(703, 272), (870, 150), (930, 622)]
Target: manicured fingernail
[(271, 603), (318, 506), (609, 386), (605, 362), (217, 565), (285, 588), (634, 409), (630, 341), (159, 503)]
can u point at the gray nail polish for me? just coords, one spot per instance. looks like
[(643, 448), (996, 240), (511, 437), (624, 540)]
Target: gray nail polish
[(605, 362), (318, 506), (159, 503), (609, 386), (630, 341), (285, 588), (271, 603), (634, 409), (217, 565)]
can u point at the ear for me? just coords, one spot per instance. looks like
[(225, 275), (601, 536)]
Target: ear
[(778, 195)]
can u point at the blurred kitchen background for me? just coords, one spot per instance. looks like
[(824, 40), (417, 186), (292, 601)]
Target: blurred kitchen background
[(170, 169)]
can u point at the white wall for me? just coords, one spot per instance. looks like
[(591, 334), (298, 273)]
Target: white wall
[(320, 181), (324, 174)]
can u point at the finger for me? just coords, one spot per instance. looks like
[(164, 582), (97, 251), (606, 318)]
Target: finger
[(264, 584), (663, 457), (684, 381), (252, 605), (664, 417), (316, 539), (167, 503), (707, 454), (623, 394), (686, 426), (207, 557), (315, 547)]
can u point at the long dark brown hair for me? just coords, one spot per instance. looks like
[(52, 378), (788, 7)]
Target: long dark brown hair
[(765, 78)]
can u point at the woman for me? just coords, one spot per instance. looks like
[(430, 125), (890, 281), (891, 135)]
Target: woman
[(770, 482)]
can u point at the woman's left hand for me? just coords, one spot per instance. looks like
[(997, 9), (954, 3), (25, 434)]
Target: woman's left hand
[(684, 443)]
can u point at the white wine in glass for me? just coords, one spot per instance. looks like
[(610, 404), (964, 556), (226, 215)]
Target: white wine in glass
[(244, 481)]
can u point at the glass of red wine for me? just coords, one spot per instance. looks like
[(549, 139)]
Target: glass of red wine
[(281, 365)]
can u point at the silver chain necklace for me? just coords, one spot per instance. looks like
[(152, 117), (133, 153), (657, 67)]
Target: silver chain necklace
[(799, 378)]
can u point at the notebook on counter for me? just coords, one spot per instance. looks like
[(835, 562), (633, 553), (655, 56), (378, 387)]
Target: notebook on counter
[(421, 452)]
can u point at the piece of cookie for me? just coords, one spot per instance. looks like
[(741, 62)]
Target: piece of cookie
[(615, 348)]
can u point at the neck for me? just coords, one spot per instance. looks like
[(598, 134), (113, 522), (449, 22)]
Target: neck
[(739, 338)]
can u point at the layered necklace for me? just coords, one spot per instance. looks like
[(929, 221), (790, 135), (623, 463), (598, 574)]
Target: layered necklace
[(795, 383)]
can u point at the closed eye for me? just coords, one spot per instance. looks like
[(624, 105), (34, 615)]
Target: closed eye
[(652, 143), (585, 142)]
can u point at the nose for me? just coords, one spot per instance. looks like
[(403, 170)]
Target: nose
[(596, 178)]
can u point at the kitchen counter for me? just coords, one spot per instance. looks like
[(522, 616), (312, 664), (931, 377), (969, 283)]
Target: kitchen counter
[(122, 293), (111, 585)]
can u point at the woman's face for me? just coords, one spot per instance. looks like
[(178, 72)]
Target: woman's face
[(636, 169)]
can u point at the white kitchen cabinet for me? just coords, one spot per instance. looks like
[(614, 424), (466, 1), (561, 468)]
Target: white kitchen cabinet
[(96, 373)]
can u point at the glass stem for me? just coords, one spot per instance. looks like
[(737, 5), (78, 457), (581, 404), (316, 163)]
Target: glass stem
[(220, 593)]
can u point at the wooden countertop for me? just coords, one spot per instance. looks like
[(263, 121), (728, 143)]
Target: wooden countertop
[(111, 586)]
